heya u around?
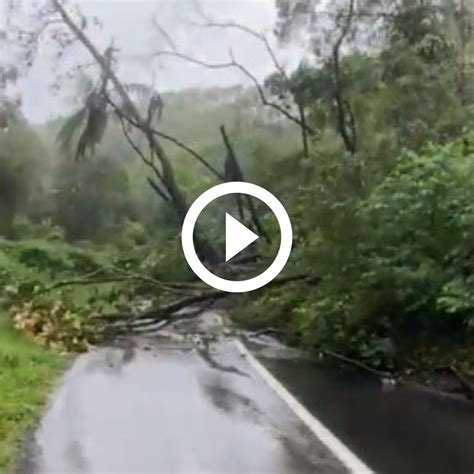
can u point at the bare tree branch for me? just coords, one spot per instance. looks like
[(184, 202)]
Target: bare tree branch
[(124, 116), (164, 33), (137, 149), (304, 132), (114, 274), (158, 313), (346, 127), (148, 162), (167, 319), (232, 63), (209, 23), (250, 204), (237, 26), (189, 150), (157, 189)]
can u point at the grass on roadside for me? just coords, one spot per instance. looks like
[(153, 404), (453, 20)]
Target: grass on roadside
[(27, 373)]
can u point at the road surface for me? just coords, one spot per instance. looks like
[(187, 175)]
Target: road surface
[(173, 404)]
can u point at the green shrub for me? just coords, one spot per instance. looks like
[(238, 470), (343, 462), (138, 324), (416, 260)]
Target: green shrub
[(396, 268)]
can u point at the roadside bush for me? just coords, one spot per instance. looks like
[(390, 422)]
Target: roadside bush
[(396, 267), (410, 274)]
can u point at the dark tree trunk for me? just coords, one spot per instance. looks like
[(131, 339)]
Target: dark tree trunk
[(176, 195)]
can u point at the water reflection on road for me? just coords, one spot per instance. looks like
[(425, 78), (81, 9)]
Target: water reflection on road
[(166, 404), (399, 431), (169, 409)]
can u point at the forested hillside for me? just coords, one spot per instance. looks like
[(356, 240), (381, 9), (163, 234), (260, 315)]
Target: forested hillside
[(369, 144)]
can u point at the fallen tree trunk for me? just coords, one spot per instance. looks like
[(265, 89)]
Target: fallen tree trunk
[(160, 313), (166, 319)]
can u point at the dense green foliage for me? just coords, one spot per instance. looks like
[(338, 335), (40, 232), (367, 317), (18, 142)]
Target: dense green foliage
[(394, 268), (385, 228), (377, 181), (20, 176), (375, 167)]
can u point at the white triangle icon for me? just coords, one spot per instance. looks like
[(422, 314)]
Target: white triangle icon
[(237, 237)]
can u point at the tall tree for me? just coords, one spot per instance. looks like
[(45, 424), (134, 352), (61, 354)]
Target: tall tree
[(67, 28)]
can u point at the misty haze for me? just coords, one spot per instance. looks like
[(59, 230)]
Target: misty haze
[(318, 314)]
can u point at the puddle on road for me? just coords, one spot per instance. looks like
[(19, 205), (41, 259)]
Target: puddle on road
[(171, 409), (403, 430), (177, 403)]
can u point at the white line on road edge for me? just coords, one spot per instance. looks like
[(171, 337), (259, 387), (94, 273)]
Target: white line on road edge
[(341, 451)]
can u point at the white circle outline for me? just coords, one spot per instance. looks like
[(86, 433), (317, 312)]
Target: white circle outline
[(231, 286)]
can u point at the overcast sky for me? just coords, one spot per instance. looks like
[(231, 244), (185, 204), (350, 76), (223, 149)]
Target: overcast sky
[(128, 22)]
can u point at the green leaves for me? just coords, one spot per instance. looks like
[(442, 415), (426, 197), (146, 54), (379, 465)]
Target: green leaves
[(396, 266)]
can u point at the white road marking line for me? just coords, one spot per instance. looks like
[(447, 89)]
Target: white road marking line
[(339, 449)]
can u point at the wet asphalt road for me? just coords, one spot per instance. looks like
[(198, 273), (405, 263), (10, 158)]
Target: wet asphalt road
[(169, 405), (402, 430)]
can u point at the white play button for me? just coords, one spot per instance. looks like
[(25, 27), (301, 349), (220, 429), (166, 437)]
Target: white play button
[(237, 237)]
